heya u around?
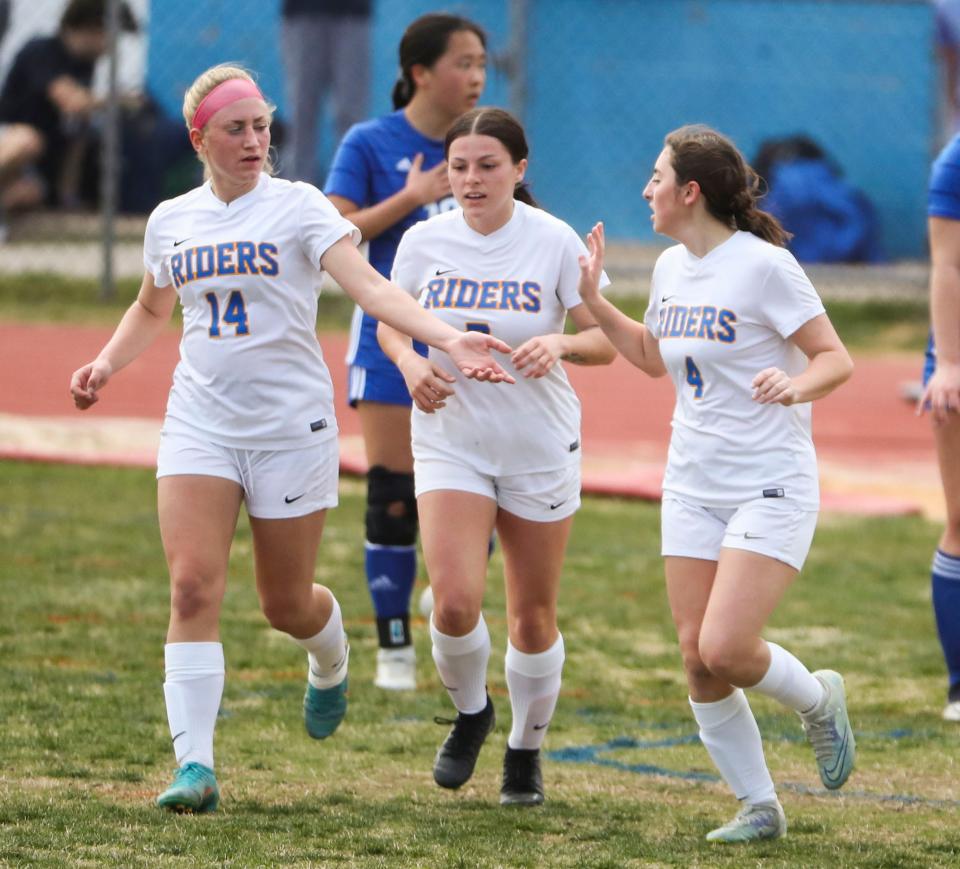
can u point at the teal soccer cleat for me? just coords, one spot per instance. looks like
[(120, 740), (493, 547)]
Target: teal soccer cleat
[(324, 708), (194, 790), (751, 824), (829, 731)]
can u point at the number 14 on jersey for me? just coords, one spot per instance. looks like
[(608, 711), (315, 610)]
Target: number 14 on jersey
[(234, 314)]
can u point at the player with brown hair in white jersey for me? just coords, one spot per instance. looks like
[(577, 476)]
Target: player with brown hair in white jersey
[(737, 325), (250, 416), (486, 458)]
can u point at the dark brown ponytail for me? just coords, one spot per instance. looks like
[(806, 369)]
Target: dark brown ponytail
[(730, 188)]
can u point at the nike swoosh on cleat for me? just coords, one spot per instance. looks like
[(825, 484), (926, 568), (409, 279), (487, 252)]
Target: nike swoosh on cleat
[(833, 773)]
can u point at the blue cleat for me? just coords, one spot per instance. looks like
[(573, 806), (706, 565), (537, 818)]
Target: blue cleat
[(829, 731), (194, 790)]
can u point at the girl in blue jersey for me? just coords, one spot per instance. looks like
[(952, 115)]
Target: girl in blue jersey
[(942, 397), (388, 174)]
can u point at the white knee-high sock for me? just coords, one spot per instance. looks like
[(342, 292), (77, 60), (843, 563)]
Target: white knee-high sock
[(193, 690), (327, 652), (462, 665), (534, 685), (789, 681), (730, 734)]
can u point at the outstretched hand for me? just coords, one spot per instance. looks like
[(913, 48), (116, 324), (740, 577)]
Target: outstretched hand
[(942, 393), (470, 352), (87, 381), (591, 266)]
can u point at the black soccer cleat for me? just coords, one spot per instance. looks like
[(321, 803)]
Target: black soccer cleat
[(457, 757), (522, 779)]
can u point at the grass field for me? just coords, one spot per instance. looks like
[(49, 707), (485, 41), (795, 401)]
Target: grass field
[(84, 745)]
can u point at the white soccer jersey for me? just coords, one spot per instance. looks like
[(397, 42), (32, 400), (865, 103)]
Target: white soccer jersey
[(720, 320), (251, 372), (515, 283)]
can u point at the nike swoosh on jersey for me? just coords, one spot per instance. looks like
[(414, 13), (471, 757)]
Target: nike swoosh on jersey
[(182, 240), (444, 272)]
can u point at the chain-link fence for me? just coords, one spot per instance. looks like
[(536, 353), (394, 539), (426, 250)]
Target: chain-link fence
[(597, 83)]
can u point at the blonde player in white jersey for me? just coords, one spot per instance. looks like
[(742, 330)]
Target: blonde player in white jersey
[(485, 459), (250, 415), (737, 325)]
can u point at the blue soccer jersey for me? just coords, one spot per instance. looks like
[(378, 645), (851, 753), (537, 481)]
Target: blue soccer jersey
[(371, 165), (943, 198)]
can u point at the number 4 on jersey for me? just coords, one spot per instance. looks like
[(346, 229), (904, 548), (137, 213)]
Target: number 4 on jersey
[(234, 315), (694, 377)]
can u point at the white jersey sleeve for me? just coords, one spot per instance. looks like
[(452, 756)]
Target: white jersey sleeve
[(321, 225), (788, 299), (154, 260), (407, 269)]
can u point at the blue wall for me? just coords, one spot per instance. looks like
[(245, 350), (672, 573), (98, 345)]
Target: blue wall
[(606, 79)]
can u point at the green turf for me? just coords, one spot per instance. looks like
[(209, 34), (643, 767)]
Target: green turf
[(878, 326), (84, 745)]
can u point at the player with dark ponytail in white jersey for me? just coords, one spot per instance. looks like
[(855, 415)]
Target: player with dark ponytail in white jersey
[(388, 174), (742, 333), (488, 458), (250, 415)]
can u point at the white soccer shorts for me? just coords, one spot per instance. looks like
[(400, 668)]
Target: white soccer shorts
[(547, 496), (277, 484), (774, 527)]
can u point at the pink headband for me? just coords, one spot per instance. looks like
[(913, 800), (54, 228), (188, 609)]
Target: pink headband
[(222, 95)]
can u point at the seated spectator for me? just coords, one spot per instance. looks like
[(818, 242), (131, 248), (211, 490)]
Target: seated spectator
[(831, 221), (45, 108)]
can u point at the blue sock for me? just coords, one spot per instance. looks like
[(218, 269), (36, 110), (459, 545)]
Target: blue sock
[(945, 581), (391, 572)]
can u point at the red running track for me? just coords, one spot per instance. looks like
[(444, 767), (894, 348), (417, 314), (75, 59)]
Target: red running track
[(865, 423)]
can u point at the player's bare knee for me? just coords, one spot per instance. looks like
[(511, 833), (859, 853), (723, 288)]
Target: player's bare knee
[(693, 666), (534, 631), (455, 615), (283, 613), (724, 658), (192, 595)]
